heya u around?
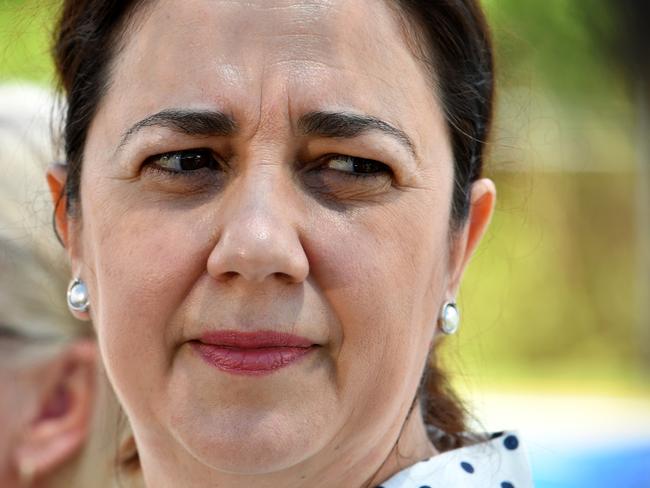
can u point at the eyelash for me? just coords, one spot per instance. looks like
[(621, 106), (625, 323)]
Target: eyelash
[(214, 164), (381, 168), (152, 162)]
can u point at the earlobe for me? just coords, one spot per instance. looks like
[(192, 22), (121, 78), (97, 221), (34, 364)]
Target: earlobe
[(482, 203), (56, 178), (61, 424)]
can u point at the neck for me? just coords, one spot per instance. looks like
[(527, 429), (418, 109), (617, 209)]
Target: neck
[(412, 445), (365, 464)]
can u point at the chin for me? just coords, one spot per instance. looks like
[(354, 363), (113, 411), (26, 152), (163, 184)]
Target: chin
[(251, 443)]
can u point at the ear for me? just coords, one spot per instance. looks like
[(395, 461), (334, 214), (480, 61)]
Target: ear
[(57, 175), (56, 179), (482, 202), (65, 404)]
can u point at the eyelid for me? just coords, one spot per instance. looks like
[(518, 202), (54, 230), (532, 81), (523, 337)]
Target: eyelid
[(382, 167), (152, 160), (177, 151)]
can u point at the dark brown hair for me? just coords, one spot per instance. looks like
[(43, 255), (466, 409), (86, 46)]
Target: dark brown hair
[(451, 39)]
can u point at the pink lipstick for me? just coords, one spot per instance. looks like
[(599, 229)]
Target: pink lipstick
[(251, 353)]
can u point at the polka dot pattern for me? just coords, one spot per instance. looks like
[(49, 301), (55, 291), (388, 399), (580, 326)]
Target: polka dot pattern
[(498, 462), (511, 442), (467, 467)]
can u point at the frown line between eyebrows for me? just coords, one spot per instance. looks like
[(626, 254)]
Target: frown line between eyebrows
[(190, 122)]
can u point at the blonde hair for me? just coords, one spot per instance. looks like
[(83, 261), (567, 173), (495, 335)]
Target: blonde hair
[(32, 264), (34, 274)]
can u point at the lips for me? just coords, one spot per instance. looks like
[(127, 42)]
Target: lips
[(252, 353)]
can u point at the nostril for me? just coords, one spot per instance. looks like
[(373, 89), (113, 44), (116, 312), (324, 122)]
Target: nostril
[(285, 277), (228, 275)]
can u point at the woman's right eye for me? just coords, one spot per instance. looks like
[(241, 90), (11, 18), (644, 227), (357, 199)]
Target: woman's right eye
[(178, 162)]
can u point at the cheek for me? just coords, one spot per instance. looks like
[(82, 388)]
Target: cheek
[(143, 260), (382, 272)]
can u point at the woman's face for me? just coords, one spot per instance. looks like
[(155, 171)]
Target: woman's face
[(264, 229)]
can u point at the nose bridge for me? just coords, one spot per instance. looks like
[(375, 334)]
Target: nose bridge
[(258, 197), (260, 220), (259, 236)]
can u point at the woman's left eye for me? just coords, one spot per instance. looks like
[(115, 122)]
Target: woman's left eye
[(357, 166)]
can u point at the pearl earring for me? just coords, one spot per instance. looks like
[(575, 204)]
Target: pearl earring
[(78, 299), (449, 318)]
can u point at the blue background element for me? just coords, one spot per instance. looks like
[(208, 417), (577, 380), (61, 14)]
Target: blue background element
[(625, 466)]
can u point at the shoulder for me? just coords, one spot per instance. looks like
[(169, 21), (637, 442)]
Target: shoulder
[(499, 461)]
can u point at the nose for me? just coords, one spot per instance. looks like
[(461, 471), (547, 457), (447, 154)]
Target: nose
[(260, 236)]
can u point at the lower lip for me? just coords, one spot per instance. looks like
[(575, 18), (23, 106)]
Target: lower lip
[(250, 361)]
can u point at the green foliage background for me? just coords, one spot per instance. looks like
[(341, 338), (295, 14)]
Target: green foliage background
[(554, 296)]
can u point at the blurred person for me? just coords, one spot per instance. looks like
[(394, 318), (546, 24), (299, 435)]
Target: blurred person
[(268, 207), (48, 376)]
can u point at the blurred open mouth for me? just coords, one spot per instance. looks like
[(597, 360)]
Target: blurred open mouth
[(252, 353)]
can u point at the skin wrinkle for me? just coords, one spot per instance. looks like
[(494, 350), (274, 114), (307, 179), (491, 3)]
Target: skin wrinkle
[(364, 280), (313, 122)]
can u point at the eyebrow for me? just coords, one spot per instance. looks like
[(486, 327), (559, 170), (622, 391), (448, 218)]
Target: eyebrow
[(190, 122), (342, 125), (347, 125)]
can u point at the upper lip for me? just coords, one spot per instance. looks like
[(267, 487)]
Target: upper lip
[(254, 340)]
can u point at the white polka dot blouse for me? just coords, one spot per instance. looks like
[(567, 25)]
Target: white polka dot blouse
[(499, 462)]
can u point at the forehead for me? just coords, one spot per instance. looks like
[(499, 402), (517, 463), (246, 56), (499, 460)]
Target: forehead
[(253, 57)]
